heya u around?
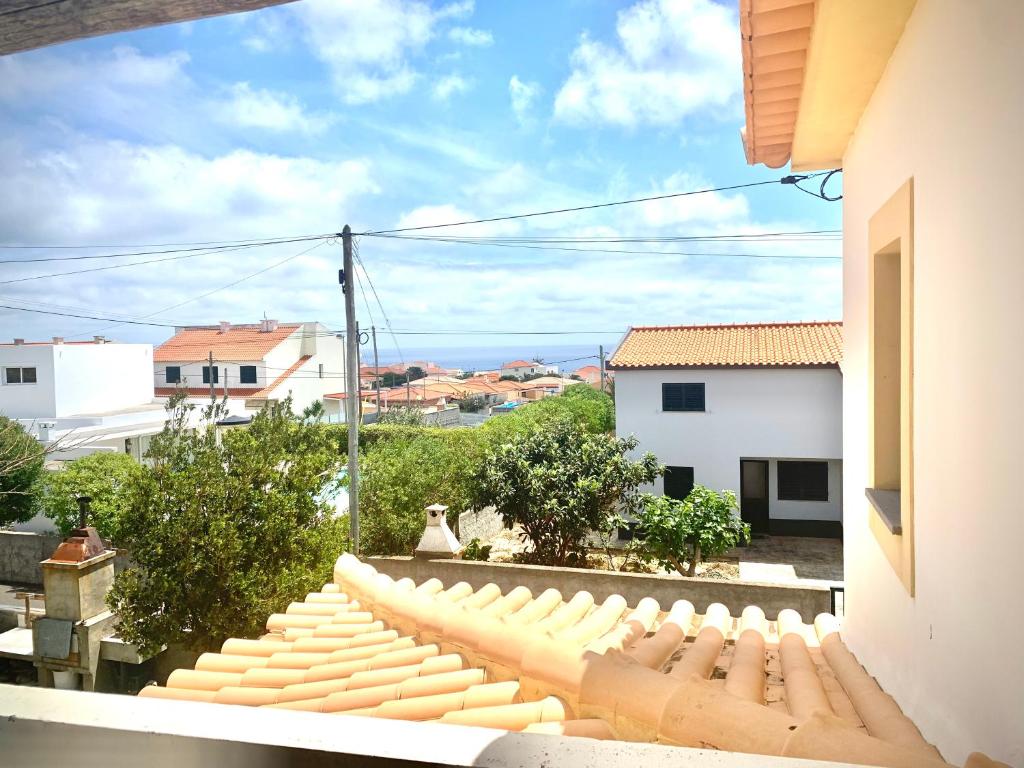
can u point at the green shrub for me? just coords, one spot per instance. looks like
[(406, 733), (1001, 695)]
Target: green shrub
[(705, 523), (476, 551), (106, 478), (21, 465)]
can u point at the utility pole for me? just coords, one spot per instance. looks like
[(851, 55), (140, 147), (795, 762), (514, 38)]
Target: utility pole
[(225, 382), (600, 354), (209, 371), (376, 368), (347, 279)]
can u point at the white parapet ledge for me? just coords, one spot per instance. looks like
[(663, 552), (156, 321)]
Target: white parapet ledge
[(41, 726)]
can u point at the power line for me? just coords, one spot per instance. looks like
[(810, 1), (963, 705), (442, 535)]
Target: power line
[(387, 320), (208, 248), (798, 236), (591, 207), (461, 241), (85, 317)]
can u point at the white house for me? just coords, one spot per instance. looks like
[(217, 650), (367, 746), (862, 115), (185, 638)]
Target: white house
[(755, 409), (521, 368), (255, 364), (921, 104), (92, 395)]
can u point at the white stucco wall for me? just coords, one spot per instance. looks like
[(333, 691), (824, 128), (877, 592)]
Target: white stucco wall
[(754, 413), (947, 113), (77, 379)]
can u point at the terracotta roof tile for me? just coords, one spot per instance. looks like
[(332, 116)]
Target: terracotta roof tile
[(543, 664), (518, 364), (710, 346), (240, 342)]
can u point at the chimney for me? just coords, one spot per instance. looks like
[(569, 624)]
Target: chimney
[(19, 342), (268, 326), (99, 339), (225, 326), (438, 542), (58, 339)]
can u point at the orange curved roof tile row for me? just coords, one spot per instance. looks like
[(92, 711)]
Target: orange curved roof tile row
[(367, 645)]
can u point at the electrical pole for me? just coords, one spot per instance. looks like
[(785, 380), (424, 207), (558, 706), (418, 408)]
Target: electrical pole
[(209, 372), (376, 368), (600, 354), (352, 389)]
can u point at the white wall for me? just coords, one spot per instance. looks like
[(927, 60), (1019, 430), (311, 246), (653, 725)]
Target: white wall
[(77, 379), (749, 413), (947, 112)]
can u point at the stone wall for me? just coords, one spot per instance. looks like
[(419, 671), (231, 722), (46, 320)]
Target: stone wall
[(483, 525), (808, 601)]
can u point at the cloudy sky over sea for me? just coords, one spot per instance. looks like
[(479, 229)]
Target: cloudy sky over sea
[(386, 114)]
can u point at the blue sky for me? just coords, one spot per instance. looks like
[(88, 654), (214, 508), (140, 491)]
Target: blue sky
[(387, 113)]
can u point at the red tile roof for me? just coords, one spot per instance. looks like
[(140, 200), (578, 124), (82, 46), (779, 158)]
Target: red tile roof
[(518, 364), (240, 342), (369, 646), (711, 346)]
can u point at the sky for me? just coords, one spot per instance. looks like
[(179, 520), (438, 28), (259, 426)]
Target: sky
[(381, 114)]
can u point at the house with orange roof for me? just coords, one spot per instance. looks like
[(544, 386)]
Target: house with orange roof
[(253, 363), (591, 374), (521, 368), (756, 409)]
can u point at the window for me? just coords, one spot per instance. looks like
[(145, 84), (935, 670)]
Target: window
[(172, 374), (247, 374), (682, 397), (678, 482), (206, 374), (890, 387), (803, 480), (20, 375)]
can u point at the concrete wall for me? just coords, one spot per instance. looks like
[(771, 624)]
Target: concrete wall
[(45, 728), (946, 113), (94, 378), (755, 413), (666, 589), (21, 553), (28, 401)]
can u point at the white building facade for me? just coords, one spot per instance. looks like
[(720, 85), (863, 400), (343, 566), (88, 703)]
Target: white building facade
[(770, 432)]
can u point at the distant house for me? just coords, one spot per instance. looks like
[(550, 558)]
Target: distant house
[(522, 368), (256, 363), (590, 374), (756, 409)]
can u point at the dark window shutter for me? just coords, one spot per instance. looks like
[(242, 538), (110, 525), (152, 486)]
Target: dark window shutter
[(14, 375), (28, 375), (693, 397), (247, 374), (803, 480), (206, 374), (682, 397), (172, 374), (678, 482)]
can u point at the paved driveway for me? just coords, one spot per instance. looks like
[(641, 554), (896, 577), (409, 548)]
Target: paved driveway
[(789, 559)]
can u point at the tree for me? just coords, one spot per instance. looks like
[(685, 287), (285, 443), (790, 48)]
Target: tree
[(105, 478), (226, 527), (401, 414), (561, 483), (414, 373), (705, 523), (21, 465), (473, 404)]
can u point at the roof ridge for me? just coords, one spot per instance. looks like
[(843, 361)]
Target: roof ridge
[(716, 326)]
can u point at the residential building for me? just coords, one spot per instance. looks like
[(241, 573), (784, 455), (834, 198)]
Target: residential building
[(591, 374), (255, 364), (755, 409), (921, 105), (81, 396), (522, 368)]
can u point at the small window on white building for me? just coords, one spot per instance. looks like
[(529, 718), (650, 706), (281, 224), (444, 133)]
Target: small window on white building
[(206, 374), (172, 374), (803, 480), (247, 374), (682, 397), (19, 375)]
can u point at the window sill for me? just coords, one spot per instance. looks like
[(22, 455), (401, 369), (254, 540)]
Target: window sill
[(887, 505)]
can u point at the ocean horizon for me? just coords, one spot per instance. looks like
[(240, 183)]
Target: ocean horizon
[(568, 357)]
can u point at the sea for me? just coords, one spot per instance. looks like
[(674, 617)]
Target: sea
[(568, 357)]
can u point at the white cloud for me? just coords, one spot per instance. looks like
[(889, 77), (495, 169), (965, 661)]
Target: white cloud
[(449, 85), (470, 36), (273, 111), (672, 59), (368, 44), (432, 215), (523, 95)]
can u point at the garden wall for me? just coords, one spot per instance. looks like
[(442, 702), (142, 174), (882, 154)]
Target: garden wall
[(21, 553), (808, 601)]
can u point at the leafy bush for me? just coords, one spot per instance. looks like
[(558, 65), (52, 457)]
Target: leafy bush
[(561, 483), (476, 551), (106, 478), (225, 531), (21, 465), (473, 404), (705, 523), (403, 470), (400, 414)]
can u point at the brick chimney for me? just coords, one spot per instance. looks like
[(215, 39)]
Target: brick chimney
[(268, 326)]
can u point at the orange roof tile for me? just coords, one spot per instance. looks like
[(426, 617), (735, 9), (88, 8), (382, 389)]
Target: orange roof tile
[(715, 346), (240, 342), (518, 364), (367, 645)]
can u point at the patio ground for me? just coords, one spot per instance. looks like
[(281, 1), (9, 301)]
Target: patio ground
[(790, 559)]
